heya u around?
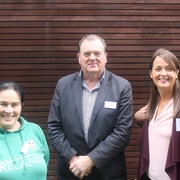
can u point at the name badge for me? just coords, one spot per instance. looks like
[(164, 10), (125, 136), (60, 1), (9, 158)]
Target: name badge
[(25, 148), (32, 144), (177, 124), (110, 104)]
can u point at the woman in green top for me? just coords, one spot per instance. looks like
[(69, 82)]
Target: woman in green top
[(24, 153)]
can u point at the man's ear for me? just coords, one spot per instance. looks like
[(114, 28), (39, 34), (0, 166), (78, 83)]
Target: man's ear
[(78, 56), (106, 57)]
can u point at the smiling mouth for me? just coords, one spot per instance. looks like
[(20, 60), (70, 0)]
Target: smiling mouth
[(7, 117), (163, 79)]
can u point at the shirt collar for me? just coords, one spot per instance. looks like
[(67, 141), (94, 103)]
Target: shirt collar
[(81, 75)]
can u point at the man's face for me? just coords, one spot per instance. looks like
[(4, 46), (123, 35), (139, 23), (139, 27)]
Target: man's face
[(92, 56)]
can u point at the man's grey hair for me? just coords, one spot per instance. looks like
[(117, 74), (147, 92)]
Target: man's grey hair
[(92, 37)]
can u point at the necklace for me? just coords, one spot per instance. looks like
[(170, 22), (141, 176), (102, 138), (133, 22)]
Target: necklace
[(162, 105)]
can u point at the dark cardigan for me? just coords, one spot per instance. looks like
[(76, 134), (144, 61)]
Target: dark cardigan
[(173, 158)]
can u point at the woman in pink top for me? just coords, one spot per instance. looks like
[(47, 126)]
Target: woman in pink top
[(160, 120)]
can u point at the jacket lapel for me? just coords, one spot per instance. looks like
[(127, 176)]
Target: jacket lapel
[(102, 94), (77, 93)]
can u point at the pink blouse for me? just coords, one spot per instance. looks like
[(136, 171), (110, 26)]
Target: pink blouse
[(159, 132)]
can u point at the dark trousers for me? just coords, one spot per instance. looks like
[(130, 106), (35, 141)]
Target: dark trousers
[(145, 177)]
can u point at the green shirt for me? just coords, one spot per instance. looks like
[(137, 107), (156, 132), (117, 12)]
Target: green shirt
[(24, 153)]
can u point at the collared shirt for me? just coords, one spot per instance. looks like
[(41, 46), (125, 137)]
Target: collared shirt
[(160, 131), (88, 101)]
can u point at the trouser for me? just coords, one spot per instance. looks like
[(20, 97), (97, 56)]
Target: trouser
[(145, 177)]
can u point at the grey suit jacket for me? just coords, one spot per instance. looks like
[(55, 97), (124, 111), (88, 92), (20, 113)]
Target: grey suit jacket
[(109, 129)]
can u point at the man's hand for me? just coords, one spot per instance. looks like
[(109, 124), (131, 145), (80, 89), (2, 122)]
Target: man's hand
[(81, 166)]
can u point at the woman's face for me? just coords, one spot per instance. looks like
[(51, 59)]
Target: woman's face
[(163, 75), (10, 109)]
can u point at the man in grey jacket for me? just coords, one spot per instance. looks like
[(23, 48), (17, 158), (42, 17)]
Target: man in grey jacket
[(90, 118)]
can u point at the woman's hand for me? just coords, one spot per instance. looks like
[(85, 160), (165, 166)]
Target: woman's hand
[(141, 115)]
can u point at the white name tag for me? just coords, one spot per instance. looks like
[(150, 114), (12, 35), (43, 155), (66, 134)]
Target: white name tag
[(25, 148), (177, 124), (110, 104), (32, 144)]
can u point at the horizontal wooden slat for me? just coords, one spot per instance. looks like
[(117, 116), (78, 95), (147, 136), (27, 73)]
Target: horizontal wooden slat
[(78, 36), (70, 30), (90, 1), (73, 24), (95, 12), (111, 43), (88, 4), (92, 18), (65, 54)]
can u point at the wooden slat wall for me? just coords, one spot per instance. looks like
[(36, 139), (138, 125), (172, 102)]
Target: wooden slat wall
[(38, 45)]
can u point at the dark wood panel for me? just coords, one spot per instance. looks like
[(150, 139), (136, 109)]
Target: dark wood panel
[(47, 78), (121, 54), (95, 12), (78, 36), (107, 24), (38, 45), (90, 1), (90, 30), (68, 66), (61, 72), (89, 5), (91, 18), (62, 49), (73, 60), (69, 43)]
